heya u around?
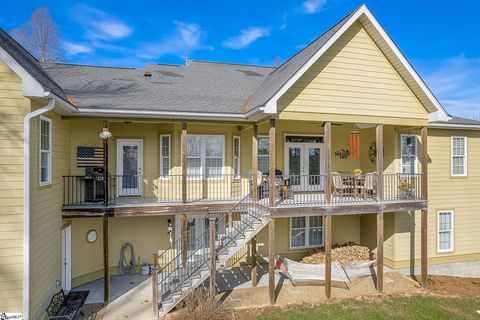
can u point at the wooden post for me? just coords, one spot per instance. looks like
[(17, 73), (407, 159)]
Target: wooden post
[(328, 256), (271, 226), (424, 217), (105, 165), (184, 240), (271, 260), (253, 250), (328, 200), (155, 285), (328, 161), (271, 175), (379, 161), (255, 163), (106, 267), (380, 220), (213, 259), (380, 252), (184, 162)]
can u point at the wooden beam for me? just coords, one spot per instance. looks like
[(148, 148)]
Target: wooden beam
[(328, 161), (380, 228), (271, 175), (328, 256), (424, 248), (253, 250), (213, 259), (106, 267), (424, 214), (379, 161), (155, 285), (271, 261), (184, 240), (184, 162), (255, 163)]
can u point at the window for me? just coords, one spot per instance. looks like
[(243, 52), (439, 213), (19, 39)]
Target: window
[(164, 155), (205, 155), (445, 231), (263, 154), (459, 156), (306, 232), (236, 157), (45, 151), (408, 150)]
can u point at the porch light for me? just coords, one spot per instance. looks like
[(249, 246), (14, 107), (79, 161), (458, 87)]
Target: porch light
[(105, 134)]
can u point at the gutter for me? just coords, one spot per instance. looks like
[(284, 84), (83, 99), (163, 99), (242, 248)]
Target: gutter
[(454, 126), (26, 201)]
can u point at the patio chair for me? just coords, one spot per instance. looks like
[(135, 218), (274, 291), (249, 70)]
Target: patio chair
[(341, 189), (369, 188)]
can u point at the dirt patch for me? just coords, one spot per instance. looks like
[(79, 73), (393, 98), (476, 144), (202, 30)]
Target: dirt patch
[(454, 286), (347, 251)]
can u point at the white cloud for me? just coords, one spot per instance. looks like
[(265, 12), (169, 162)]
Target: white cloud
[(101, 25), (246, 37), (313, 6), (456, 83), (72, 49), (186, 38)]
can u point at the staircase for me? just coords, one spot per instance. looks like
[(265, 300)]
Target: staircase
[(179, 277)]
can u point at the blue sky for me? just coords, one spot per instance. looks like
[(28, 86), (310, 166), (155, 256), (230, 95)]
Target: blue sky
[(440, 38)]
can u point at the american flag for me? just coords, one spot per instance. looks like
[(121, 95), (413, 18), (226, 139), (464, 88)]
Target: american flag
[(89, 157)]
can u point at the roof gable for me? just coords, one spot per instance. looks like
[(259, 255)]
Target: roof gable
[(279, 81)]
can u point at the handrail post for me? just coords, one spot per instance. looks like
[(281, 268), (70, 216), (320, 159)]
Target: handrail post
[(213, 266), (255, 163), (424, 214), (155, 294)]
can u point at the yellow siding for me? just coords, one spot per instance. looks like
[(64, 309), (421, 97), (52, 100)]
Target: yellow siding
[(46, 215), (355, 80), (13, 107), (446, 193)]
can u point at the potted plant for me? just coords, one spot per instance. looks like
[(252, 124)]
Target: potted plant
[(407, 189)]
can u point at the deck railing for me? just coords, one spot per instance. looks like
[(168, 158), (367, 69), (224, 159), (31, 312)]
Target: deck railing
[(136, 189), (290, 190)]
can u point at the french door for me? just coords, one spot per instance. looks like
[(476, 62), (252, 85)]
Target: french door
[(129, 167), (304, 166)]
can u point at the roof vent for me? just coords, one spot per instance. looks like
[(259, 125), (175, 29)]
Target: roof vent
[(148, 71)]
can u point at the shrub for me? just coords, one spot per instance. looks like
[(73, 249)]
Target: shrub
[(200, 306)]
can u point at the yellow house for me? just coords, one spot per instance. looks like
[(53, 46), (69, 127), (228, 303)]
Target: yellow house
[(342, 142)]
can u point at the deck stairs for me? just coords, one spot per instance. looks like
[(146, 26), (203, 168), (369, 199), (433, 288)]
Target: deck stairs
[(178, 279)]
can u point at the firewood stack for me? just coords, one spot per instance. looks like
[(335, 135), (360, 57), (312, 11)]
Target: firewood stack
[(346, 251)]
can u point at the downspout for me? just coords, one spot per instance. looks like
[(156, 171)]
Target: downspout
[(26, 202)]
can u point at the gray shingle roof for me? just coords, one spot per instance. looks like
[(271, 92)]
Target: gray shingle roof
[(29, 63), (283, 73), (198, 86)]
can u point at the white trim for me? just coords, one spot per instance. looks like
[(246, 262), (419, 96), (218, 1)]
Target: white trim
[(307, 229), (203, 157), (465, 157), (416, 152), (236, 176), (165, 175), (26, 204), (30, 86), (271, 104), (452, 230), (454, 126), (40, 151)]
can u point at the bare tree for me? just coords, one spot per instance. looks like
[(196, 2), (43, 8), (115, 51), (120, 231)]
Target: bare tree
[(40, 36)]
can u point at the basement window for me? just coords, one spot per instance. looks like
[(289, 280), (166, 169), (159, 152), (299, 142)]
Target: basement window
[(45, 151), (306, 232)]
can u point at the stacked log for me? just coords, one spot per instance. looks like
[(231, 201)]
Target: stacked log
[(347, 251)]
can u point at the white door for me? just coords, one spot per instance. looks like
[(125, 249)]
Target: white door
[(129, 167), (67, 259), (304, 166)]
